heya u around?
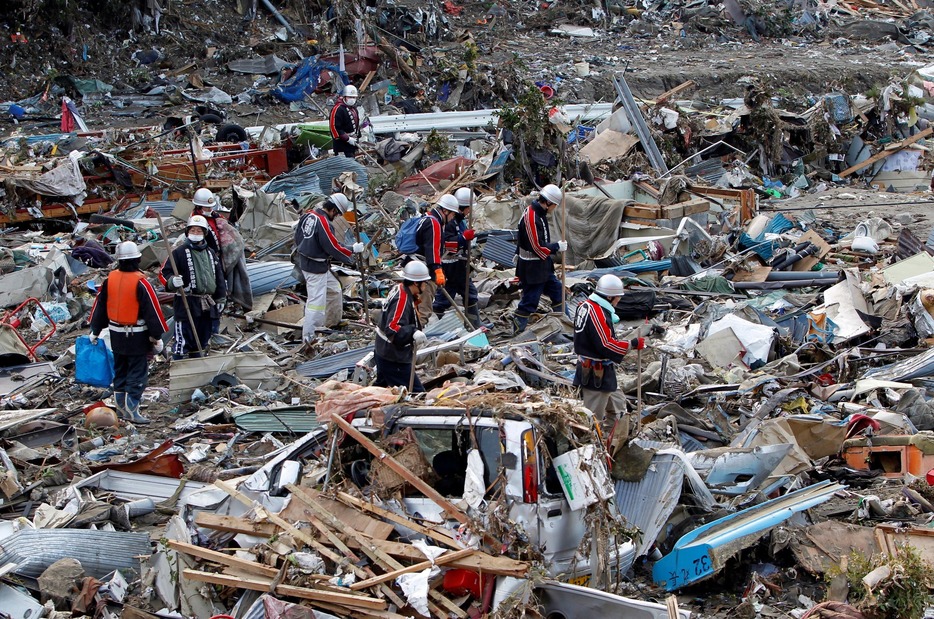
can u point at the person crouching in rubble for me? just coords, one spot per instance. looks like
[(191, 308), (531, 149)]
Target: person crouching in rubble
[(129, 307), (536, 268), (399, 333), (201, 279), (457, 237), (598, 352), (317, 246), (429, 236), (344, 122)]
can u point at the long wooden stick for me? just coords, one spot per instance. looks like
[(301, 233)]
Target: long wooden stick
[(362, 261), (564, 254), (191, 321), (448, 557)]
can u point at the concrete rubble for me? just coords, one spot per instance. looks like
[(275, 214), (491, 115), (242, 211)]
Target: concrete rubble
[(772, 230)]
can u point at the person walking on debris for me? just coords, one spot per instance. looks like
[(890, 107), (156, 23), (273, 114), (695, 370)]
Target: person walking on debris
[(344, 122), (205, 205), (317, 246), (201, 277), (598, 352), (457, 237), (399, 333), (428, 236), (536, 268), (127, 304)]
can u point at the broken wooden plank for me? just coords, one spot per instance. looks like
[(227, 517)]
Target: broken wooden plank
[(890, 150), (353, 517), (294, 531), (435, 534), (232, 524), (642, 211), (218, 557), (668, 94), (341, 599), (448, 557), (477, 562)]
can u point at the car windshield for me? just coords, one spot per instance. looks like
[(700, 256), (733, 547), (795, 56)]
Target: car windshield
[(445, 449)]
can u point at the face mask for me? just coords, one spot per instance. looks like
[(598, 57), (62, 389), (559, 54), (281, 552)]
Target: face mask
[(351, 101), (195, 238)]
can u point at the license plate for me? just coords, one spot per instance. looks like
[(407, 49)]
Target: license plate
[(583, 581)]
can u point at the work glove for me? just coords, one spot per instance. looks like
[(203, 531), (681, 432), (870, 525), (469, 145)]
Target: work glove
[(358, 248), (93, 339), (419, 339), (352, 141), (562, 246), (177, 281), (439, 277), (637, 343), (157, 346), (469, 235)]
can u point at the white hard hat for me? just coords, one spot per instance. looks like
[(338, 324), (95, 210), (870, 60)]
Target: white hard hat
[(416, 271), (127, 250), (340, 201), (197, 220), (204, 198), (610, 286), (350, 91), (551, 193), (464, 197), (449, 203)]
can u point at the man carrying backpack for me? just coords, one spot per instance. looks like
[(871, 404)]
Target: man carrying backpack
[(428, 237), (317, 246), (454, 259), (536, 268)]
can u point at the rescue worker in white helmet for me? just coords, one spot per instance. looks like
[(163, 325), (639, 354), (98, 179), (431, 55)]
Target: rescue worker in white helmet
[(535, 267), (344, 122), (399, 333), (428, 236), (127, 305), (599, 352), (317, 246), (454, 259), (201, 276)]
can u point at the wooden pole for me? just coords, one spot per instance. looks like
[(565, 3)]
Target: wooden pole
[(362, 263), (467, 250), (564, 254), (191, 321)]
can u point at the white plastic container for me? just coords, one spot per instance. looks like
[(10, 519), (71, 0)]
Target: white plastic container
[(583, 477)]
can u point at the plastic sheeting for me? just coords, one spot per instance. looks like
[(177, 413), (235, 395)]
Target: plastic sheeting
[(306, 79)]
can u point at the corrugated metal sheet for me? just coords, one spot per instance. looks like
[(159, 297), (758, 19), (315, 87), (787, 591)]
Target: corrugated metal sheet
[(268, 276), (332, 364), (500, 250), (293, 419), (100, 552), (134, 486), (647, 504), (918, 366), (711, 170), (330, 168), (293, 184), (930, 242), (908, 244)]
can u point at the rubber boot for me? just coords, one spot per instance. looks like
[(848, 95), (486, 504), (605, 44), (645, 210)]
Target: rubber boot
[(132, 409), (120, 405), (519, 323), (473, 315)]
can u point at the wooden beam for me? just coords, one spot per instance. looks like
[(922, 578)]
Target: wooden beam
[(448, 557), (676, 90), (232, 524), (295, 532), (438, 536), (366, 81), (332, 597), (891, 150), (218, 557)]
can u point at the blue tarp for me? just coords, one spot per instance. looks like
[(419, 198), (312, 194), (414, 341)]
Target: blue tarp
[(305, 80)]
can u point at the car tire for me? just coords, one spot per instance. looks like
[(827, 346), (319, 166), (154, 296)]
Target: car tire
[(231, 133)]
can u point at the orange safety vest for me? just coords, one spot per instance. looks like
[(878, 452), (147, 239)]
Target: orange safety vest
[(122, 299)]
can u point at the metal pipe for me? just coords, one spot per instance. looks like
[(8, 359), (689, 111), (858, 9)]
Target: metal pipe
[(279, 18)]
